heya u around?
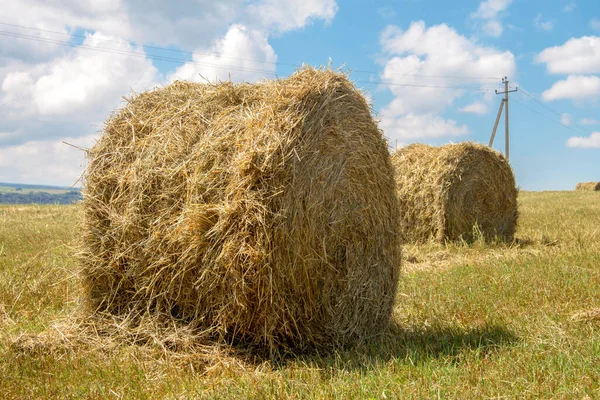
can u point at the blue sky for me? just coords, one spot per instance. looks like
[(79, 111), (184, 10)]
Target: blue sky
[(430, 68)]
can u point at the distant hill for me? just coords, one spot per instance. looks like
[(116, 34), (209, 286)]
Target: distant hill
[(37, 187), (22, 193)]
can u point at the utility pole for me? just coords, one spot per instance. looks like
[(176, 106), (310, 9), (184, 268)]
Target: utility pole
[(504, 103)]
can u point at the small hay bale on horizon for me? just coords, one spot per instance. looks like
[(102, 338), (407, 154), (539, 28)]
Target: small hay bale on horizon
[(445, 191), (588, 186), (257, 213)]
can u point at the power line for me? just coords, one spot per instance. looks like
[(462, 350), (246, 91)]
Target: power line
[(133, 54), (576, 129), (539, 102), (193, 53), (423, 86), (481, 78), (150, 47), (218, 66), (552, 119)]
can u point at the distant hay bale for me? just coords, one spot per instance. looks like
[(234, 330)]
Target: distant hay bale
[(444, 192), (257, 213), (588, 186)]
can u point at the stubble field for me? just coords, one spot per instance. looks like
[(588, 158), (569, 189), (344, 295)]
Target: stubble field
[(479, 320)]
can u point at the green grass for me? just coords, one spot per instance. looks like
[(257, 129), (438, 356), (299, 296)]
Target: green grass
[(471, 321)]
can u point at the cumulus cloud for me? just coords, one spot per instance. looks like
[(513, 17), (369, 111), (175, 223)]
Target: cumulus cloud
[(542, 25), (70, 92), (490, 9), (565, 118), (493, 28), (148, 21), (589, 121), (286, 15), (569, 7), (54, 21), (438, 51), (241, 55), (50, 162), (576, 56), (421, 126), (586, 142), (87, 81), (490, 12), (475, 108), (575, 87), (244, 52), (387, 12), (182, 23), (49, 91)]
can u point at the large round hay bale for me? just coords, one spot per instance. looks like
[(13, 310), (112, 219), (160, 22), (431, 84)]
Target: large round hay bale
[(262, 213), (445, 192), (588, 186)]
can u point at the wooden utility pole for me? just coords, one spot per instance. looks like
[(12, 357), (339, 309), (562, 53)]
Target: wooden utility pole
[(504, 103)]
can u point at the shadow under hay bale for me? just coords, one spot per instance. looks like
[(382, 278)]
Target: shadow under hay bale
[(588, 186), (263, 214), (452, 192)]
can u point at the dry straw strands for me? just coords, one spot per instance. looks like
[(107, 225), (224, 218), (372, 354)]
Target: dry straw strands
[(588, 186), (455, 191), (261, 213)]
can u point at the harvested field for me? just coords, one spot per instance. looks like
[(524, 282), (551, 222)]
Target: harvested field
[(480, 321)]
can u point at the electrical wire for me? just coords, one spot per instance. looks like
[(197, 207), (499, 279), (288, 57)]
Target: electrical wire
[(133, 54), (144, 46), (580, 131), (205, 64), (424, 86), (538, 101), (193, 53)]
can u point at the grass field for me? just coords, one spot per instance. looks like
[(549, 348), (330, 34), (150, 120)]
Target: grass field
[(471, 321)]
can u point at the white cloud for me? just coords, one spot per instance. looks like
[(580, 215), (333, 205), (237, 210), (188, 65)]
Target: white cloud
[(49, 91), (181, 23), (44, 161), (90, 80), (595, 24), (387, 12), (242, 55), (440, 52), (490, 12), (70, 92), (424, 126), (576, 56), (16, 94), (148, 21), (589, 121), (475, 108), (569, 7), (592, 141), (542, 25), (493, 28), (576, 87), (286, 15), (565, 118), (490, 9), (60, 17)]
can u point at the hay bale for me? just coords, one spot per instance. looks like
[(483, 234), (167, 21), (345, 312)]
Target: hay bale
[(262, 213), (588, 186), (443, 192)]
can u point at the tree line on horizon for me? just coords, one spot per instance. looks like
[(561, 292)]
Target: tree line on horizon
[(69, 197)]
